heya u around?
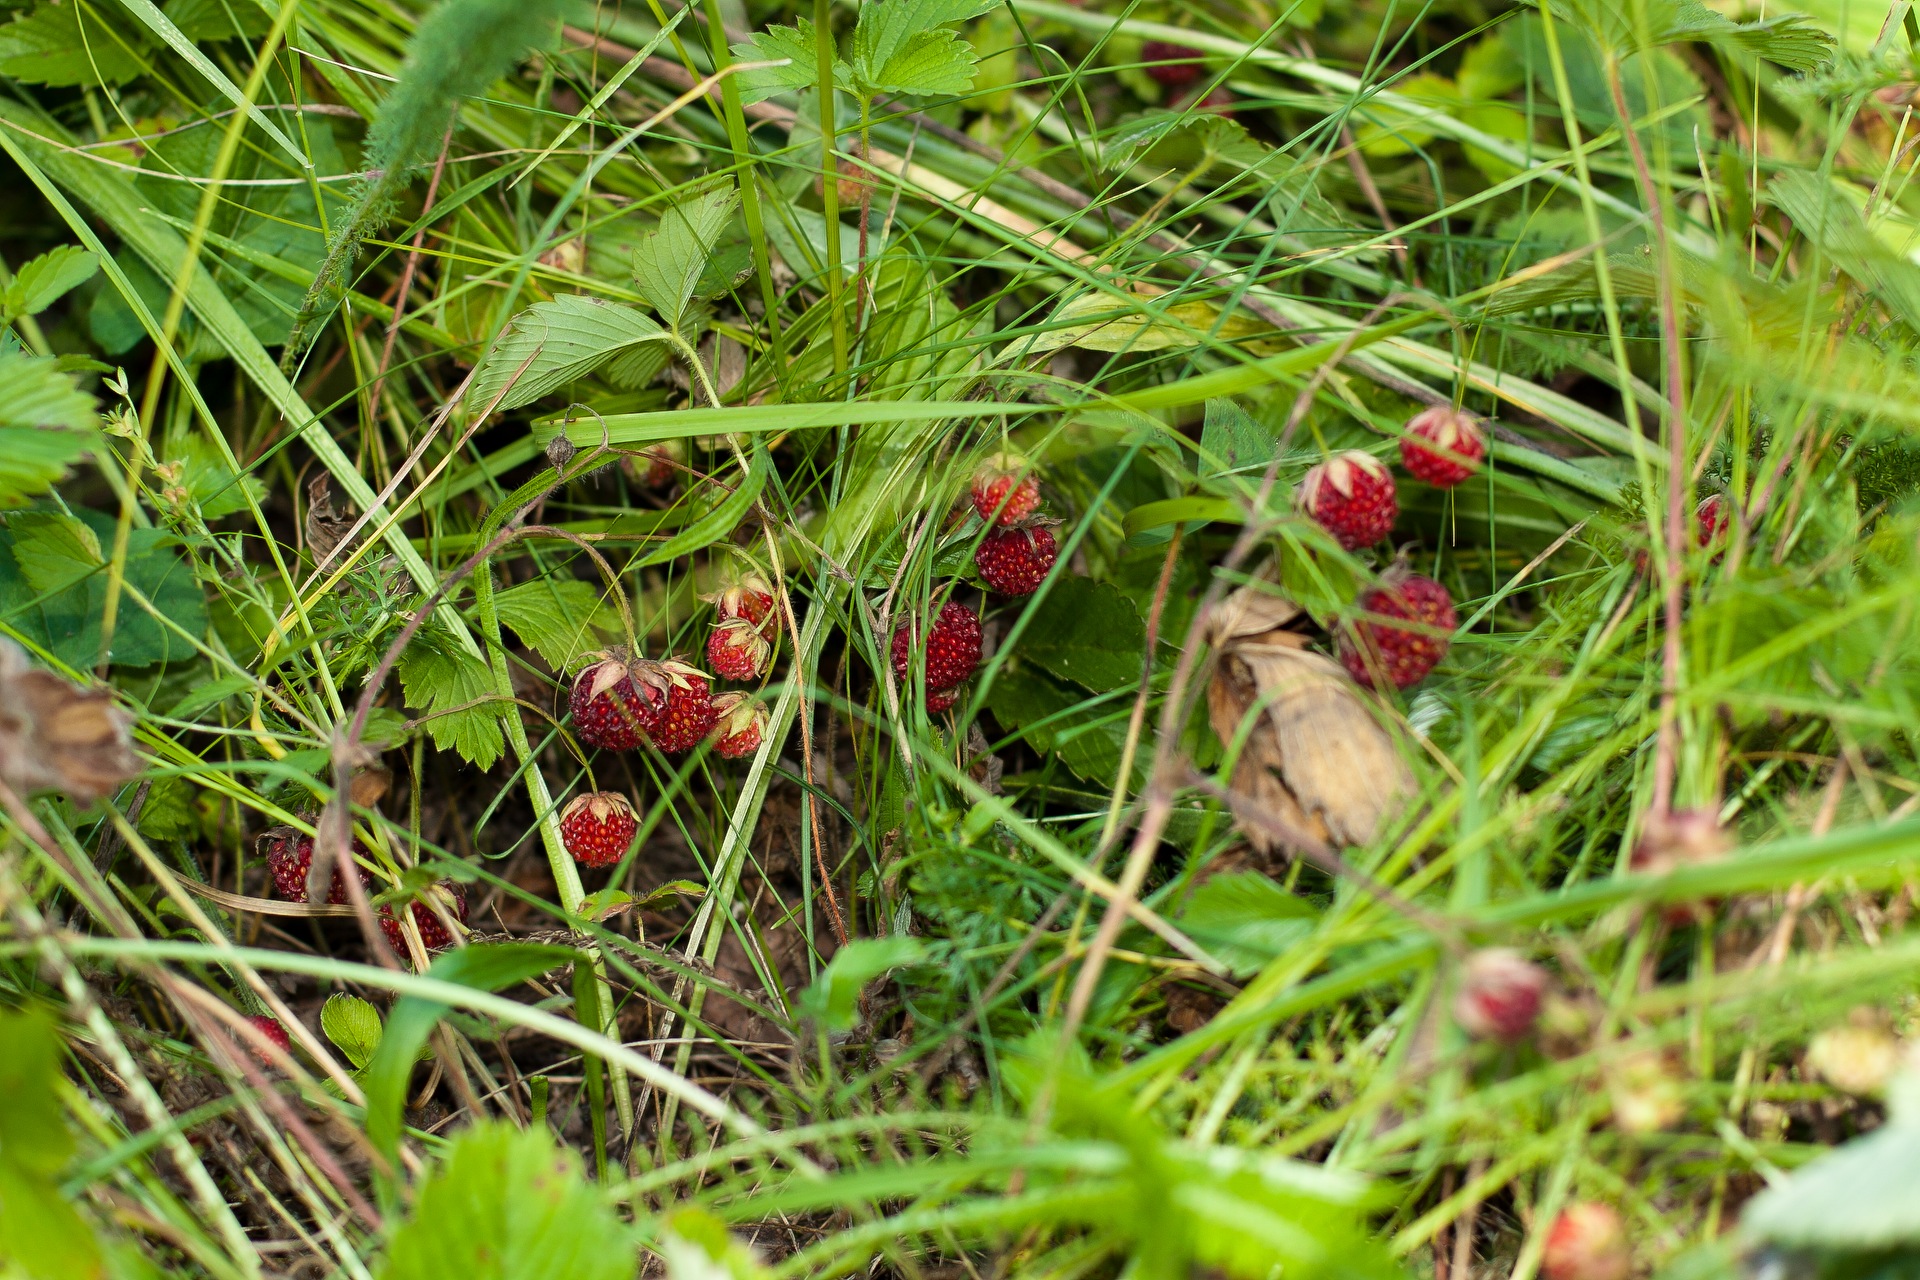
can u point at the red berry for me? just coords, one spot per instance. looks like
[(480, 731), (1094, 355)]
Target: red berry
[(1351, 496), (1015, 561), (273, 1031), (1710, 519), (1173, 66), (1457, 446), (737, 651), (1682, 838), (597, 827), (1586, 1242), (657, 466), (289, 856), (939, 700), (1218, 102), (609, 709), (686, 702), (740, 723), (1404, 655), (1004, 492), (1500, 994), (433, 934), (952, 651), (748, 596)]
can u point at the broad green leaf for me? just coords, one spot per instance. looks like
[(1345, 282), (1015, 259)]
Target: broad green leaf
[(831, 999), (1863, 1196), (67, 620), (902, 46), (1087, 632), (1246, 919), (439, 676), (54, 551), (557, 342), (1089, 737), (793, 43), (63, 43), (41, 1234), (40, 282), (353, 1026), (46, 425), (553, 616), (484, 968), (1230, 440), (507, 1204), (1105, 322), (668, 261)]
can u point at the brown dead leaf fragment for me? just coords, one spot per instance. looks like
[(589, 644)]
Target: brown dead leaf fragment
[(325, 526), (57, 736), (1316, 760)]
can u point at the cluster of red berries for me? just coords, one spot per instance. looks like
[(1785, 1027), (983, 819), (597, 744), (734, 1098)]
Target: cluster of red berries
[(1018, 550), (289, 855)]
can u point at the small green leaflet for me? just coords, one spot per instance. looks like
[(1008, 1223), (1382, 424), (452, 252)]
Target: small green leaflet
[(1246, 919), (668, 261), (834, 995), (42, 281), (439, 676), (796, 45), (353, 1025), (64, 44), (507, 1204), (46, 424), (552, 616), (558, 342), (899, 46)]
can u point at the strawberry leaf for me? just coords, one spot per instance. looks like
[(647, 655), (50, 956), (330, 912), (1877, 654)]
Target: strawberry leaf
[(42, 281), (1087, 632), (669, 260), (551, 344), (796, 44), (553, 616), (447, 684)]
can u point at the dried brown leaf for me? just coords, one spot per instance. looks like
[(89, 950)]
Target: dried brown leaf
[(325, 526), (55, 735)]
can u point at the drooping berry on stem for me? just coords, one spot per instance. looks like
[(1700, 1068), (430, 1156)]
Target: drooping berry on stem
[(737, 651), (740, 723), (952, 647), (1005, 492), (597, 828), (1376, 645), (1172, 66), (1350, 495), (1586, 1242), (1014, 561), (1500, 995), (1443, 446)]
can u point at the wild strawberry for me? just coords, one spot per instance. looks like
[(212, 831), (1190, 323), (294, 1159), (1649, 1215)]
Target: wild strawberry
[(273, 1031), (657, 466), (939, 700), (609, 709), (433, 934), (1442, 446), (1710, 519), (685, 698), (1004, 492), (739, 725), (289, 855), (1015, 561), (1682, 838), (1586, 1242), (1351, 496), (737, 651), (597, 827), (1500, 994), (748, 596), (1404, 655), (952, 650), (1172, 66)]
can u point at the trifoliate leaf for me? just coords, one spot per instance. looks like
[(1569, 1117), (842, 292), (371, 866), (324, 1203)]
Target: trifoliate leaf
[(65, 555), (553, 616), (353, 1025), (508, 1204), (551, 344), (668, 261), (438, 676), (41, 281)]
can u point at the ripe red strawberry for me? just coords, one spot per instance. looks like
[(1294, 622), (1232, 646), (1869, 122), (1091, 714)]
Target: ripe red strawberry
[(608, 707), (952, 650), (1351, 496), (1015, 561), (433, 934), (1403, 655), (1004, 492), (737, 651), (597, 828), (289, 855), (686, 704), (1457, 443), (1172, 66), (273, 1031), (748, 596), (1682, 838), (939, 700), (739, 724), (1710, 519), (1500, 995), (1586, 1242)]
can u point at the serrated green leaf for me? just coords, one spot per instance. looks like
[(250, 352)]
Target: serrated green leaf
[(832, 998), (66, 42), (1089, 633), (54, 551), (40, 282), (33, 460), (439, 676), (553, 616), (1246, 919), (557, 342), (796, 45), (67, 621), (1231, 440), (926, 63), (507, 1204), (353, 1027), (46, 424), (668, 261)]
